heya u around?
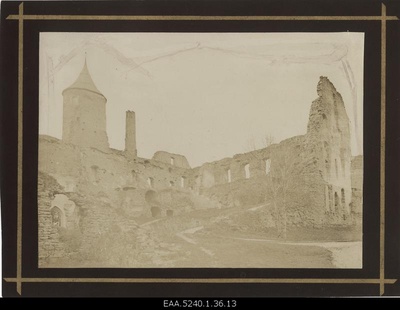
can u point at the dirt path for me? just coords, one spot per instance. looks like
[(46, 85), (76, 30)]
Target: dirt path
[(344, 254), (206, 245), (192, 241), (222, 251)]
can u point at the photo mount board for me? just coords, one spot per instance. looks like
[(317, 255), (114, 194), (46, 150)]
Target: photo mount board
[(22, 23)]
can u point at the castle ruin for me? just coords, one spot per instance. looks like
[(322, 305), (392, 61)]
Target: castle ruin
[(85, 186)]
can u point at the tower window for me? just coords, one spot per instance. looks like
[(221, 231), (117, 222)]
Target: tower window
[(267, 166), (247, 171), (229, 176), (182, 182), (172, 161), (171, 183), (150, 181)]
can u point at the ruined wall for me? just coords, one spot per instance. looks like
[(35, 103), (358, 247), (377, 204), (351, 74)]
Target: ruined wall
[(172, 159), (120, 181), (328, 139), (160, 175), (320, 189), (60, 160), (49, 236), (248, 179), (97, 220), (357, 165), (84, 119), (72, 225)]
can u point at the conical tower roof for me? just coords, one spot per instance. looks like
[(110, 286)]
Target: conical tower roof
[(84, 82)]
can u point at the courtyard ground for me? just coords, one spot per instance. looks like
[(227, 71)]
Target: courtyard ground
[(221, 238)]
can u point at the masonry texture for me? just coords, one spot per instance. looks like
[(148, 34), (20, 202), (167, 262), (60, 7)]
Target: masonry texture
[(87, 190)]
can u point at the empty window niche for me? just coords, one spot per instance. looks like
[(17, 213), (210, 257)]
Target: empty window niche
[(343, 197), (336, 169), (229, 175), (327, 198), (247, 171), (267, 165), (171, 183), (330, 195), (172, 161), (182, 182), (150, 181), (95, 173), (336, 201)]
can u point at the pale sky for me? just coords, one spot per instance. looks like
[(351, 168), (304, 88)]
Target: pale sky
[(204, 95)]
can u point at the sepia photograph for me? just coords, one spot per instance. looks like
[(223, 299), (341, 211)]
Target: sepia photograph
[(200, 150)]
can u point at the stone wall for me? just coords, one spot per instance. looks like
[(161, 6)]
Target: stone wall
[(251, 179), (328, 138), (49, 236), (172, 159), (95, 171), (357, 164)]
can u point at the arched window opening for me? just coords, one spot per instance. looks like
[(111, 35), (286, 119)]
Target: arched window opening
[(336, 201), (343, 197), (247, 171), (267, 166)]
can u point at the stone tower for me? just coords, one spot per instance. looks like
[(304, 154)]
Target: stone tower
[(329, 140), (130, 135), (84, 113)]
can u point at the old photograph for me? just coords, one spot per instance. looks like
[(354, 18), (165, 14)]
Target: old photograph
[(200, 150)]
